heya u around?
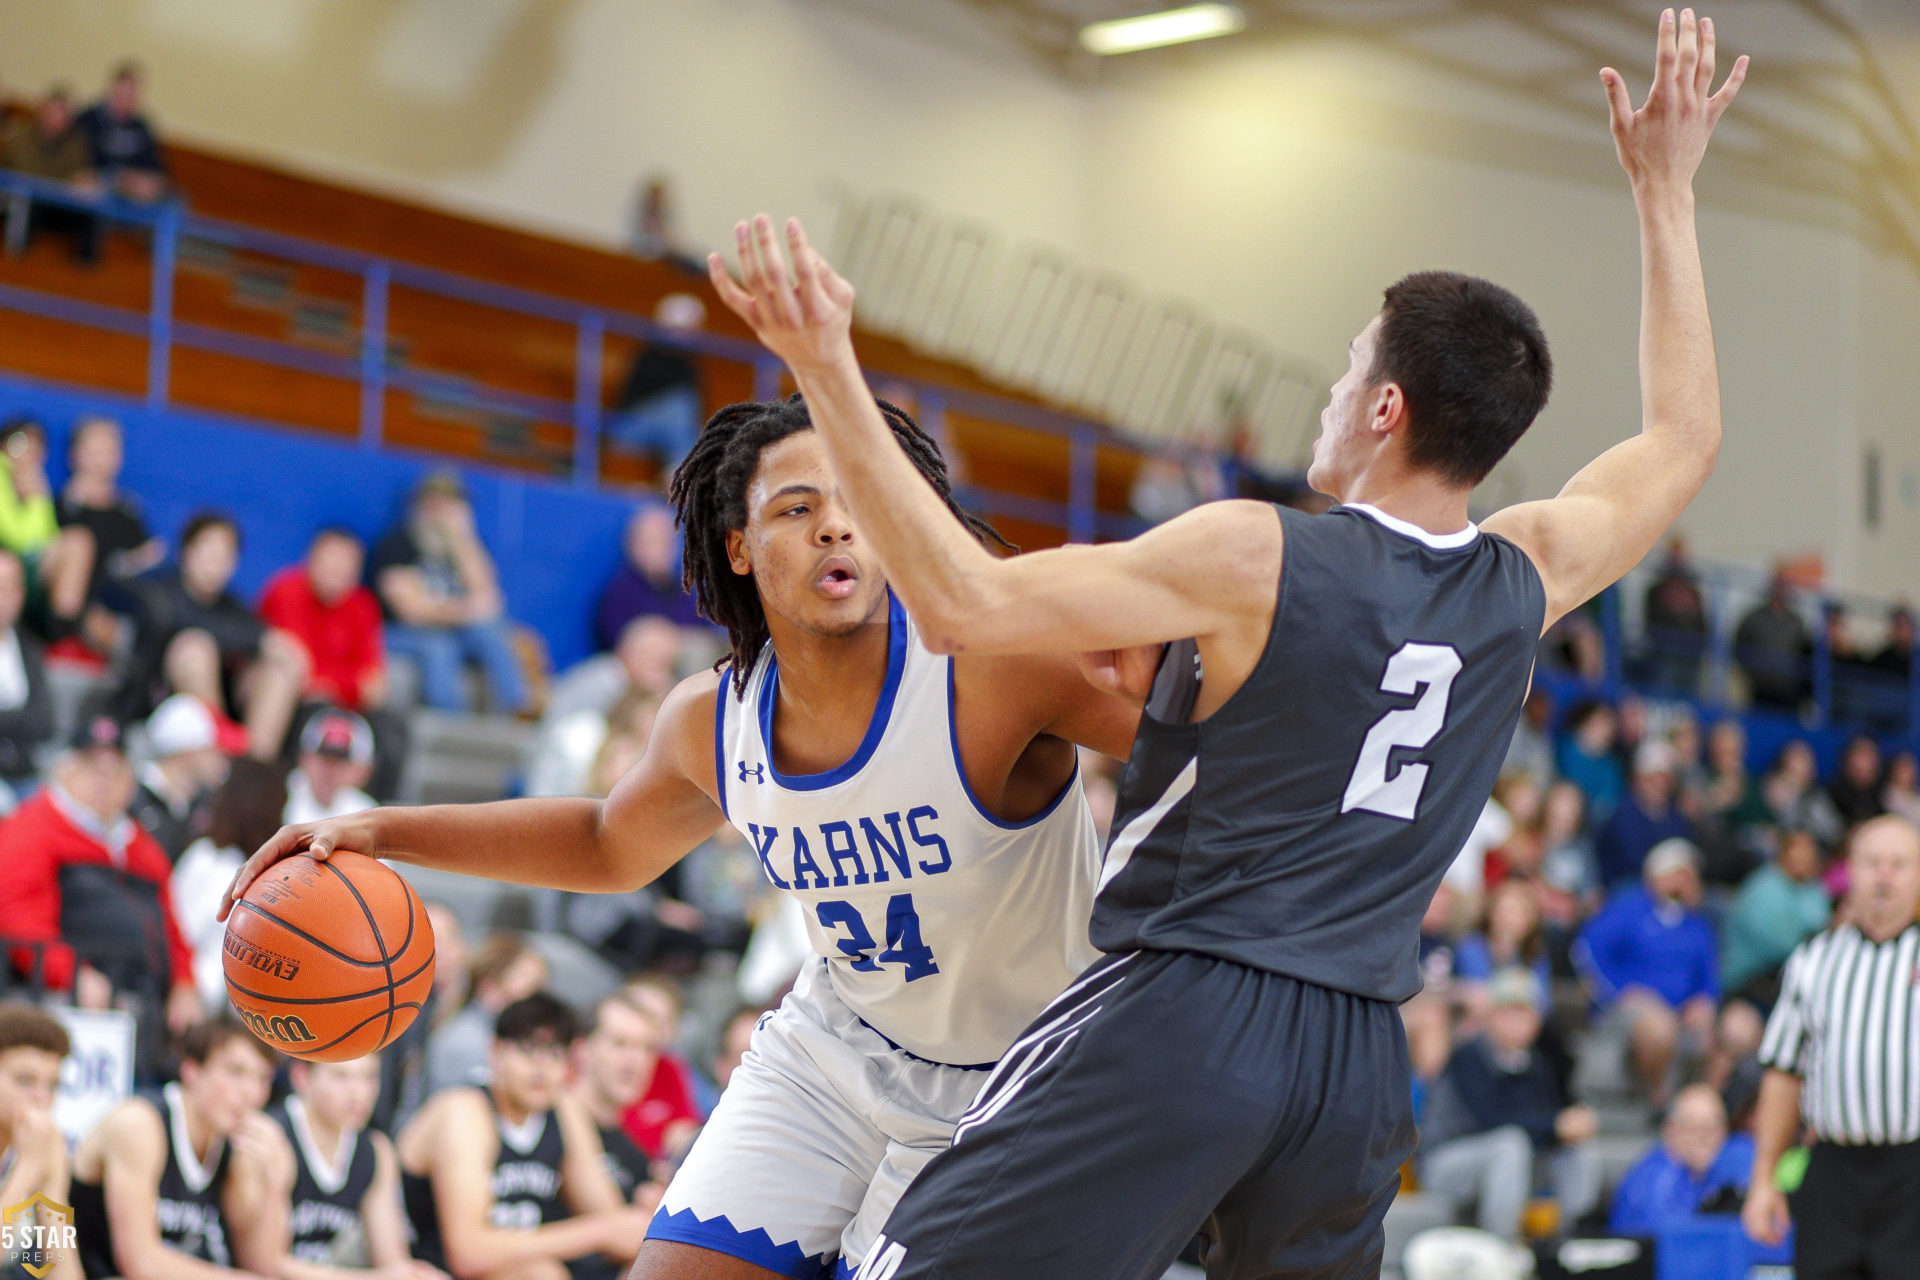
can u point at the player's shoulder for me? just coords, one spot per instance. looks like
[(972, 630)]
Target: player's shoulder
[(687, 714), (1257, 522), (134, 1130), (455, 1109)]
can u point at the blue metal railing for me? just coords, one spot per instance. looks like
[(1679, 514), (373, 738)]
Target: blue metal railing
[(1839, 691), (375, 372)]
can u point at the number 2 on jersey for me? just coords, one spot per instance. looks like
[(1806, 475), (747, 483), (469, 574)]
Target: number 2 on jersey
[(1426, 669), (904, 946)]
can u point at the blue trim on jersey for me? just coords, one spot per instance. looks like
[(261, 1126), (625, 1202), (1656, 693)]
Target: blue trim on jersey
[(755, 1246), (876, 728), (843, 1270), (720, 697), (932, 1062), (953, 738)]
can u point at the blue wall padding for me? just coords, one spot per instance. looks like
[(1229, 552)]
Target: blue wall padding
[(556, 545)]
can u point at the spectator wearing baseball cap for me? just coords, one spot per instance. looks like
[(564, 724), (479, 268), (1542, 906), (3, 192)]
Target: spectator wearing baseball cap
[(1646, 816), (1497, 1120), (336, 759), (441, 592), (188, 761), (83, 881), (1650, 960)]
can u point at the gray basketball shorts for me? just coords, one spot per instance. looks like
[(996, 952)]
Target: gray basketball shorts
[(1167, 1094)]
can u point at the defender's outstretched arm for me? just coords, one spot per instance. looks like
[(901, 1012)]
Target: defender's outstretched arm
[(1203, 573), (1613, 512)]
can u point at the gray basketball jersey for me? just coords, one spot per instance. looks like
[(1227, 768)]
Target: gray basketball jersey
[(1303, 827)]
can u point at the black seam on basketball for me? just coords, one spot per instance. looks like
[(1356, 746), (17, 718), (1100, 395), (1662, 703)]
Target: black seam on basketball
[(358, 995), (298, 932), (408, 940), (353, 1031), (378, 940)]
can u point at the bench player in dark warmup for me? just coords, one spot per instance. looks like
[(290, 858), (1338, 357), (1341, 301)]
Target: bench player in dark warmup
[(344, 1215), (191, 1184), (1236, 1064), (508, 1182)]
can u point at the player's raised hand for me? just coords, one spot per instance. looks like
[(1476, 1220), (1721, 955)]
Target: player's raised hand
[(1662, 143), (803, 315), (357, 832)]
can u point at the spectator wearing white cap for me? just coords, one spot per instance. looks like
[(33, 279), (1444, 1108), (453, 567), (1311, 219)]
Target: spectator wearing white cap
[(1497, 1119), (1649, 958), (1646, 816), (336, 759), (177, 782)]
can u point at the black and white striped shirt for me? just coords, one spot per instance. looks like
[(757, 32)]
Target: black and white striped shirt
[(1848, 1024)]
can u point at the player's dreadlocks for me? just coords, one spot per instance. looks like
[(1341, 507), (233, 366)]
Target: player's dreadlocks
[(709, 493)]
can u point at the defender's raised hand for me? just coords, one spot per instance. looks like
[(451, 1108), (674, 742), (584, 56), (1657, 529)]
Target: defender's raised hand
[(1663, 142), (804, 316)]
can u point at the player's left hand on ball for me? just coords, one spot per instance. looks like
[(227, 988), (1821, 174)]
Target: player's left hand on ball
[(803, 315), (357, 833)]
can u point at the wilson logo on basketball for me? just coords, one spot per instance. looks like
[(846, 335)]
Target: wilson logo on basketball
[(287, 1030), (274, 966)]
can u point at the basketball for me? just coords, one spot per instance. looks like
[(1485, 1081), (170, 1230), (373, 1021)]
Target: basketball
[(328, 961)]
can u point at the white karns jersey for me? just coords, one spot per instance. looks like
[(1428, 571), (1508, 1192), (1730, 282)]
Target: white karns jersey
[(945, 929)]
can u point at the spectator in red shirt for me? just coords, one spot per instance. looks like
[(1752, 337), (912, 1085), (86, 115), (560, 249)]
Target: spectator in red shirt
[(322, 604), (665, 1118), (82, 878)]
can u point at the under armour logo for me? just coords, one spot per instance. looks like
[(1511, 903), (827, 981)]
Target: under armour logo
[(758, 772)]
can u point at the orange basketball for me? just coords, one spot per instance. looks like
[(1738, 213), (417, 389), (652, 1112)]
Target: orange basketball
[(330, 960)]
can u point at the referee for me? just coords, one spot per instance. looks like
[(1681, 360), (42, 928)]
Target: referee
[(1843, 1050)]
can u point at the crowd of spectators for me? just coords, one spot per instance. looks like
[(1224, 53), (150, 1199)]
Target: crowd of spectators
[(222, 718), (1793, 652), (215, 718), (1615, 931), (109, 149)]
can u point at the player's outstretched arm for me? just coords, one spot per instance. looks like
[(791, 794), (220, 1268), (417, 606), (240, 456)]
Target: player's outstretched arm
[(1189, 577), (1615, 510), (659, 812)]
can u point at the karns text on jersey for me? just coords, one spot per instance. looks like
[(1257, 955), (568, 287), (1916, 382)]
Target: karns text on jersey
[(834, 855)]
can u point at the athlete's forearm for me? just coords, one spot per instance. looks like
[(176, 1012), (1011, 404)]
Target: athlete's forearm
[(292, 1268), (474, 1254), (164, 1262), (557, 843), (1776, 1122), (1679, 372), (930, 559)]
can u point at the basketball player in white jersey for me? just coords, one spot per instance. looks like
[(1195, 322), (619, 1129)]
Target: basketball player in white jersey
[(927, 811)]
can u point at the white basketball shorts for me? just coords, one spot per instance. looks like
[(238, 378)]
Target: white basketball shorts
[(821, 1128)]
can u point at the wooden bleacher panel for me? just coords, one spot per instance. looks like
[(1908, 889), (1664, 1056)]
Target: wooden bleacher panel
[(63, 352), (319, 309)]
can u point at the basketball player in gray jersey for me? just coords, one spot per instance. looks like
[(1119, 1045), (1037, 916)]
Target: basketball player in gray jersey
[(1306, 769)]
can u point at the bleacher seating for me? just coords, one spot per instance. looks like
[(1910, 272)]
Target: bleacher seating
[(246, 294)]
